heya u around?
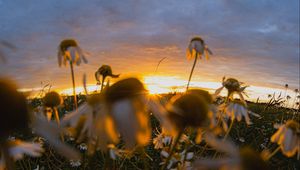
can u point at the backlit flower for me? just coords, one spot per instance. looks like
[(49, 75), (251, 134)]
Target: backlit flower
[(127, 105), (70, 51), (237, 110), (188, 110), (104, 71), (288, 137), (197, 46), (233, 86)]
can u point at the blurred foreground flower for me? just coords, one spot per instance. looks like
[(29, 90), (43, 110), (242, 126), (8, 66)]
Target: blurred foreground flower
[(69, 51), (15, 116), (196, 48), (288, 139), (119, 110), (15, 150), (51, 101), (104, 71)]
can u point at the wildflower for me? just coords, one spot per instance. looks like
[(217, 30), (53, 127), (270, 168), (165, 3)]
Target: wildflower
[(83, 147), (75, 163), (288, 137), (104, 71), (51, 101), (51, 132), (69, 50), (178, 160), (161, 140), (233, 86), (91, 123), (127, 106), (15, 150), (196, 48), (14, 116), (237, 110), (213, 109), (188, 110)]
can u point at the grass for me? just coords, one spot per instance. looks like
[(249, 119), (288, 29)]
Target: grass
[(256, 136)]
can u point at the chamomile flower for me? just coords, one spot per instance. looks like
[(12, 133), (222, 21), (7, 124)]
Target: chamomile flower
[(188, 110), (15, 150), (196, 49), (51, 101), (237, 110), (288, 138), (127, 106), (70, 51), (104, 71), (233, 86)]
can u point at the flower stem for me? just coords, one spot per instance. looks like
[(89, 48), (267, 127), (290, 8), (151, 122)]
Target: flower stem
[(57, 121), (73, 82), (102, 84), (172, 150), (273, 153), (195, 61), (227, 133)]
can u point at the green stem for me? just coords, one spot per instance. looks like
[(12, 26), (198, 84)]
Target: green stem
[(73, 82), (273, 153), (195, 61), (172, 149)]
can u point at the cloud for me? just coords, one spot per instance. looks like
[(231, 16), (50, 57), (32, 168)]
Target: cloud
[(257, 41)]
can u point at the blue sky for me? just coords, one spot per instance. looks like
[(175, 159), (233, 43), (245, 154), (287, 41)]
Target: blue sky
[(254, 41)]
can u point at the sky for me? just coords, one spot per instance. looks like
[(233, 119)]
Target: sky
[(256, 42)]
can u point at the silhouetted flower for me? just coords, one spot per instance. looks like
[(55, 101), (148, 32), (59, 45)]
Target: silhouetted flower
[(188, 110), (233, 86), (104, 71), (69, 50)]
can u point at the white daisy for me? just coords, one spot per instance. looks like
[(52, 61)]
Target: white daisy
[(288, 137)]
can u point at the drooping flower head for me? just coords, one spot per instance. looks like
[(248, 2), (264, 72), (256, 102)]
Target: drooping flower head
[(69, 50), (14, 115), (52, 99), (288, 137), (104, 71), (197, 46), (126, 103), (188, 110)]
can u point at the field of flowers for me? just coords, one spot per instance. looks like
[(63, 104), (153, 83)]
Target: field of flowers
[(122, 126)]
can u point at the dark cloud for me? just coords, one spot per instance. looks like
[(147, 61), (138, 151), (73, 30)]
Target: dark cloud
[(256, 41)]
